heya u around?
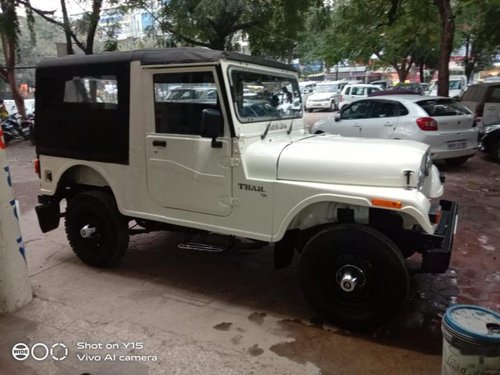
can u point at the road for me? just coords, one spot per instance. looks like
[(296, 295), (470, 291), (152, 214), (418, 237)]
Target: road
[(232, 313)]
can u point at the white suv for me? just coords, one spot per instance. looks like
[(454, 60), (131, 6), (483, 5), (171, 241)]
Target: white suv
[(447, 126), (325, 96), (356, 91), (234, 165)]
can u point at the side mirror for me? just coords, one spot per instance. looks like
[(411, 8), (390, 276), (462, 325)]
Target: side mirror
[(211, 125), (337, 117)]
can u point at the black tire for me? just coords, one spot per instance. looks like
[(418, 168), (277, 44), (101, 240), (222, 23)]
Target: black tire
[(96, 210), (455, 162), (383, 283), (309, 110), (494, 150)]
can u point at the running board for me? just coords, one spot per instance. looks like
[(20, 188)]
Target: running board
[(201, 247)]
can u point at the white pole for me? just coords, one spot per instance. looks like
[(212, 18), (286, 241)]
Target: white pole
[(15, 289)]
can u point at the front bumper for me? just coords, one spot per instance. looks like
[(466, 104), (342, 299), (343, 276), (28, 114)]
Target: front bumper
[(437, 248)]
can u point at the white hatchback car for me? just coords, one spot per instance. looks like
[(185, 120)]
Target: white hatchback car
[(447, 126), (356, 91)]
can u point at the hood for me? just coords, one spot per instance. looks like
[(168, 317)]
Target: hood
[(352, 161), (320, 96)]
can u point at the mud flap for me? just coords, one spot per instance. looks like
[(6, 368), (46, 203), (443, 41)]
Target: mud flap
[(48, 216)]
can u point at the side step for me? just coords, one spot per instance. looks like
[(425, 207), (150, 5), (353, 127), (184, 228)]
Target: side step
[(201, 247)]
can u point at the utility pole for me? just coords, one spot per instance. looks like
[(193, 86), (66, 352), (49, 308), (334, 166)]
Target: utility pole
[(15, 289)]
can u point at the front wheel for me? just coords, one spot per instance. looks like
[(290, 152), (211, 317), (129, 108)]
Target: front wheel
[(353, 275), (96, 230)]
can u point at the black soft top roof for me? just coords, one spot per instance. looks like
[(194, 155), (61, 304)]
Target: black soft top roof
[(183, 55)]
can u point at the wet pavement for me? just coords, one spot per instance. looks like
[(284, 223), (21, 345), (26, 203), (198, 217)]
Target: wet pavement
[(232, 313)]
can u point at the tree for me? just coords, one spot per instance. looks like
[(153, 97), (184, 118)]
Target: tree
[(281, 31), (475, 22), (399, 33), (446, 44), (82, 32), (9, 33), (207, 23)]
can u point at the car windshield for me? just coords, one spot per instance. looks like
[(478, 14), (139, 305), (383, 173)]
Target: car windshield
[(443, 107), (327, 88), (263, 96)]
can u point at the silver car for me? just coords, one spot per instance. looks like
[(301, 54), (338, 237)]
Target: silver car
[(447, 126)]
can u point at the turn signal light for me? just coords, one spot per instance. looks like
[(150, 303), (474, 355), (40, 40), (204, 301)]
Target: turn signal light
[(36, 164), (386, 203), (427, 123)]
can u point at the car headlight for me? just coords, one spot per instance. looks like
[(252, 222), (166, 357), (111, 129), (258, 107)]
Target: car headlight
[(425, 169)]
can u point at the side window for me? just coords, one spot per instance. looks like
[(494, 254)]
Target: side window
[(494, 96), (357, 110), (92, 89), (347, 91), (385, 109), (403, 111), (180, 99)]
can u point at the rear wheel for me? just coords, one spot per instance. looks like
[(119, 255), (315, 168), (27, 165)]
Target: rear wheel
[(457, 161), (309, 110), (332, 106), (96, 230), (353, 275)]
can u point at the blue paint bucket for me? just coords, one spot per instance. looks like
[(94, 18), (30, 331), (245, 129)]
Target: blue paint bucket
[(471, 341)]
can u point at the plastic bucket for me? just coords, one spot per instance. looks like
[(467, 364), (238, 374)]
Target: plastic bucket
[(471, 341)]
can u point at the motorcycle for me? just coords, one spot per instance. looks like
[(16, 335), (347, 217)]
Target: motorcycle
[(14, 127)]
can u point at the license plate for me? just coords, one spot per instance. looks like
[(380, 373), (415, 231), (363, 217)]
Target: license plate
[(457, 144)]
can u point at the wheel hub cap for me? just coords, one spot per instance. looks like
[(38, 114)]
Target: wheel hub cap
[(350, 277), (87, 231)]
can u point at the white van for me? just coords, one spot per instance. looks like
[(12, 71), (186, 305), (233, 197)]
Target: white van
[(457, 86)]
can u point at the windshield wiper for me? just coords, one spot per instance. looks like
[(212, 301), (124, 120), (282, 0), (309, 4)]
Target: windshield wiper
[(290, 128), (265, 131)]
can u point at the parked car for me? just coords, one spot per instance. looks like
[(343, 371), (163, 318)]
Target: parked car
[(483, 99), (457, 86), (444, 124), (356, 91), (413, 87), (384, 84), (325, 96), (490, 141)]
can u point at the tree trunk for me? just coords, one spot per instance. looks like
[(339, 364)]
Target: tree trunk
[(94, 20), (67, 29), (9, 51), (446, 44)]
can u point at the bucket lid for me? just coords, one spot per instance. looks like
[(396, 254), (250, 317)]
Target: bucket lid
[(474, 322)]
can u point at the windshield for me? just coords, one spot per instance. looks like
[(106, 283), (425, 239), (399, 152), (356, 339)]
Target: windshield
[(327, 88), (263, 96)]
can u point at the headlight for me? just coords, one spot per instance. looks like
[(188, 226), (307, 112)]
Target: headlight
[(425, 168)]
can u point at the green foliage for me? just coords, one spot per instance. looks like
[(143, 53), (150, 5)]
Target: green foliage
[(477, 22), (398, 33), (282, 29)]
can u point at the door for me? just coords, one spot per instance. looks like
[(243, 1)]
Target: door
[(382, 120), (185, 170), (351, 119), (491, 111)]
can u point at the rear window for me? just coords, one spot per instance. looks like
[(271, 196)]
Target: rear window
[(443, 107)]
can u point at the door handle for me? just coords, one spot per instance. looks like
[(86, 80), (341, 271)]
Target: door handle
[(387, 124), (159, 143)]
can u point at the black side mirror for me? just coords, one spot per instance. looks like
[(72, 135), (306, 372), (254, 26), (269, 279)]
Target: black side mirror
[(337, 117), (211, 125)]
